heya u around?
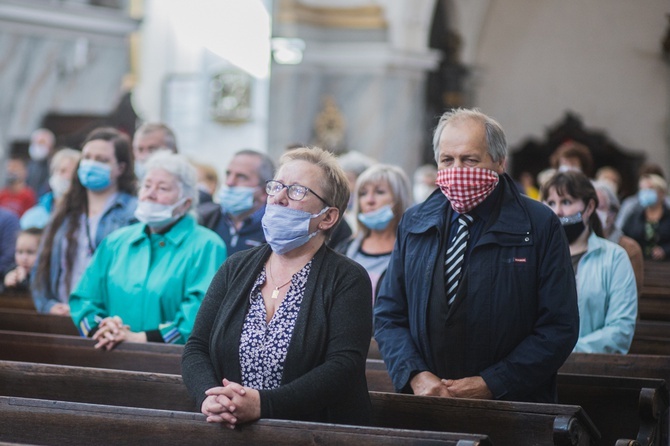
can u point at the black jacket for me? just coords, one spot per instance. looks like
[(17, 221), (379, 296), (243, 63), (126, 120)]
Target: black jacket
[(515, 318), (324, 372)]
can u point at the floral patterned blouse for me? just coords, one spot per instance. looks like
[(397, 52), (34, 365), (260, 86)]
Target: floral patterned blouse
[(263, 346)]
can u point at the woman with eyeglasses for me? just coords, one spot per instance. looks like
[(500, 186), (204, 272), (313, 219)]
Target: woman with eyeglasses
[(606, 288), (284, 329)]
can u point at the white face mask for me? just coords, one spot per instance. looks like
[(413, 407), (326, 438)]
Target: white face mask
[(602, 215), (59, 185), (38, 152), (157, 215)]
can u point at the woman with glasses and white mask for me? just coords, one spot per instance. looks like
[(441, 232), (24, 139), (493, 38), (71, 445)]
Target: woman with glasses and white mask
[(100, 199), (145, 282), (285, 327), (606, 290), (382, 195)]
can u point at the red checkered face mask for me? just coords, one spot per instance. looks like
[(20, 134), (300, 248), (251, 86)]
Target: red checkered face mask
[(466, 187)]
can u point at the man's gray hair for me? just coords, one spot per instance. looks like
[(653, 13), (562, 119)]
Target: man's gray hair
[(495, 135), (169, 140), (179, 167), (266, 169)]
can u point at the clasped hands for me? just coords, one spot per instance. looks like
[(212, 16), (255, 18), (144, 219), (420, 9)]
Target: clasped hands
[(231, 404), (427, 384), (111, 332)]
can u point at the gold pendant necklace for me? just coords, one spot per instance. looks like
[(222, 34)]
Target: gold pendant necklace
[(275, 292)]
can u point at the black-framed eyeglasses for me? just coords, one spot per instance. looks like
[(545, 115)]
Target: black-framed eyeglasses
[(296, 192)]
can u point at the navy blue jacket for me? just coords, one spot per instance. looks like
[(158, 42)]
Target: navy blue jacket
[(515, 319)]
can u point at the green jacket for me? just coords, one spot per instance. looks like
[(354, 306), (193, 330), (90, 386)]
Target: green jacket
[(154, 283)]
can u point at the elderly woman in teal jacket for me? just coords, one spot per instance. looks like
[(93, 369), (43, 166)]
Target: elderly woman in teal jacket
[(606, 288), (145, 282)]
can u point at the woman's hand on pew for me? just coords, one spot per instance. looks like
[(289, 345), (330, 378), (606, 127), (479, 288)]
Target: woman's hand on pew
[(111, 332), (471, 387), (232, 404), (60, 309), (427, 384)]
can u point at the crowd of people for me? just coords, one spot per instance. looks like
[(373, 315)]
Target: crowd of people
[(473, 284)]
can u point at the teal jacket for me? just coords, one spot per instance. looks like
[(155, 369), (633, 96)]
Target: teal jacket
[(607, 298), (154, 283)]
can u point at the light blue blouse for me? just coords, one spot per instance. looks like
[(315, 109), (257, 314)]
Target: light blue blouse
[(607, 296)]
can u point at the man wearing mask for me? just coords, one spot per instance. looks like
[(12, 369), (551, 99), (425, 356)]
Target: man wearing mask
[(479, 299), (42, 143), (237, 217), (148, 138)]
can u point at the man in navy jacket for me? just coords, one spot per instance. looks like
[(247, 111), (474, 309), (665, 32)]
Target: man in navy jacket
[(512, 320)]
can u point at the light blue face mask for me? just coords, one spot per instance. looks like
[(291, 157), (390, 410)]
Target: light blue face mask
[(236, 200), (377, 220), (647, 197), (94, 175), (287, 229)]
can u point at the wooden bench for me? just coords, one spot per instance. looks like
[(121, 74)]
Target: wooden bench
[(40, 421), (71, 350), (15, 300), (620, 406), (32, 321), (651, 337), (503, 422), (68, 350), (654, 301)]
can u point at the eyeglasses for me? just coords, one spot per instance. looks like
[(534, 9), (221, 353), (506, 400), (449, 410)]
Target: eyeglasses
[(296, 192)]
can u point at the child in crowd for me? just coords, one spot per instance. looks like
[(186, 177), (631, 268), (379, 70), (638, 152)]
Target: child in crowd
[(17, 196), (27, 243)]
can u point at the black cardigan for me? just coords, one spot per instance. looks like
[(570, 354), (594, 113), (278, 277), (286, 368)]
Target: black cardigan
[(324, 371)]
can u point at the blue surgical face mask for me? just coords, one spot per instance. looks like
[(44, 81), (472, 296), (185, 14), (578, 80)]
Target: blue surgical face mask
[(94, 175), (647, 197), (236, 200), (287, 229), (140, 170), (377, 220)]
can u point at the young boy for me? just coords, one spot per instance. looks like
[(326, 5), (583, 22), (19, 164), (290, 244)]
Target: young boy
[(27, 243)]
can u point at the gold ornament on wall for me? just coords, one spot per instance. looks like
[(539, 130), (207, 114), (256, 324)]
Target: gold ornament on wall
[(329, 126)]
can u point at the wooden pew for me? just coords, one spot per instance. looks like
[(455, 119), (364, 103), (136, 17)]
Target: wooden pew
[(50, 422), (78, 351), (71, 350), (620, 406), (31, 321), (16, 300), (635, 366), (654, 301), (503, 422), (651, 337)]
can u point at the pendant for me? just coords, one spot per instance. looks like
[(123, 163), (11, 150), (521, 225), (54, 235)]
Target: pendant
[(275, 293)]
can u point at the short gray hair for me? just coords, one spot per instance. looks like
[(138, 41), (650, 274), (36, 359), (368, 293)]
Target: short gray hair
[(266, 169), (398, 182), (613, 204), (495, 135), (355, 162), (169, 140), (179, 167)]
